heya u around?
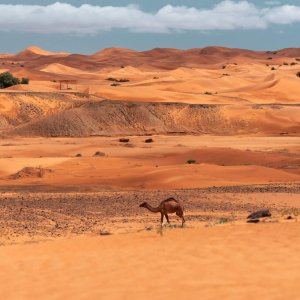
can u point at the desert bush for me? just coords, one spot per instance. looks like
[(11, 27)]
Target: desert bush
[(222, 221), (285, 64), (7, 80), (78, 155), (191, 161), (111, 79), (293, 64), (297, 59), (298, 74), (117, 80), (123, 80), (25, 81), (115, 84), (208, 93), (273, 69), (270, 58)]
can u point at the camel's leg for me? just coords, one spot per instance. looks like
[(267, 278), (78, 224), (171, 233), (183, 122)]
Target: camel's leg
[(179, 213), (183, 220), (167, 217), (161, 219)]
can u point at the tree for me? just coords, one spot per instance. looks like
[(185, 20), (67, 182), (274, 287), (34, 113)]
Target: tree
[(25, 81), (7, 80)]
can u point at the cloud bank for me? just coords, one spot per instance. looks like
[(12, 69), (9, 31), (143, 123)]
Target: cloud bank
[(88, 19)]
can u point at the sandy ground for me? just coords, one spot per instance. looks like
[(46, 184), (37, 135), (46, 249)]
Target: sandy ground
[(58, 201), (220, 161), (224, 261), (53, 247)]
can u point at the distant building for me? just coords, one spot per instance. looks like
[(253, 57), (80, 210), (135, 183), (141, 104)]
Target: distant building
[(68, 85)]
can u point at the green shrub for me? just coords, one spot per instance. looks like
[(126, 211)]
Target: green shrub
[(111, 79), (117, 80), (7, 80), (25, 81)]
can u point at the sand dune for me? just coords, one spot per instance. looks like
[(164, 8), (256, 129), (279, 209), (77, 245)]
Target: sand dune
[(216, 128), (189, 76), (219, 161), (57, 68)]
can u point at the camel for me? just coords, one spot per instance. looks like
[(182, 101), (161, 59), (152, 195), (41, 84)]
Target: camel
[(166, 207)]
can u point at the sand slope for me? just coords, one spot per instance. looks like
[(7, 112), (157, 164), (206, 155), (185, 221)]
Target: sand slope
[(117, 117), (226, 262)]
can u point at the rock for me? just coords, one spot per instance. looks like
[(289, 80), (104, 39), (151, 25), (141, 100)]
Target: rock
[(253, 221), (260, 214), (105, 232), (149, 141), (99, 153), (123, 140)]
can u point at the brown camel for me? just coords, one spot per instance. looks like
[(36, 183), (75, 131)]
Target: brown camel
[(166, 207)]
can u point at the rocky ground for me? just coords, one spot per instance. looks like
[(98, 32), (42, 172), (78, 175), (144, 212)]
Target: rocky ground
[(34, 216)]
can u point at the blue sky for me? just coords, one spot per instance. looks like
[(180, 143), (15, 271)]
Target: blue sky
[(88, 26)]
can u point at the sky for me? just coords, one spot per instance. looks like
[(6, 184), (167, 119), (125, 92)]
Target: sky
[(87, 26)]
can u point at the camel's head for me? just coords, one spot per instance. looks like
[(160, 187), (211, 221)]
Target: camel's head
[(144, 204)]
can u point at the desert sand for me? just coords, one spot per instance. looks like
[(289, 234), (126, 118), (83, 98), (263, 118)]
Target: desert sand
[(224, 126)]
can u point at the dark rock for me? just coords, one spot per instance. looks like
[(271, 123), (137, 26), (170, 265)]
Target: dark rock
[(149, 141), (253, 221), (260, 214), (105, 232), (99, 153), (123, 140)]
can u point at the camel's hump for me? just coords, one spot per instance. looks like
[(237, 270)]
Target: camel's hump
[(171, 199)]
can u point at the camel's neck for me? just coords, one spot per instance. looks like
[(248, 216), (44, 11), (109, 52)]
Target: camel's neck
[(153, 209)]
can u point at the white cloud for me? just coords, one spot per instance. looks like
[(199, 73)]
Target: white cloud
[(89, 19)]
